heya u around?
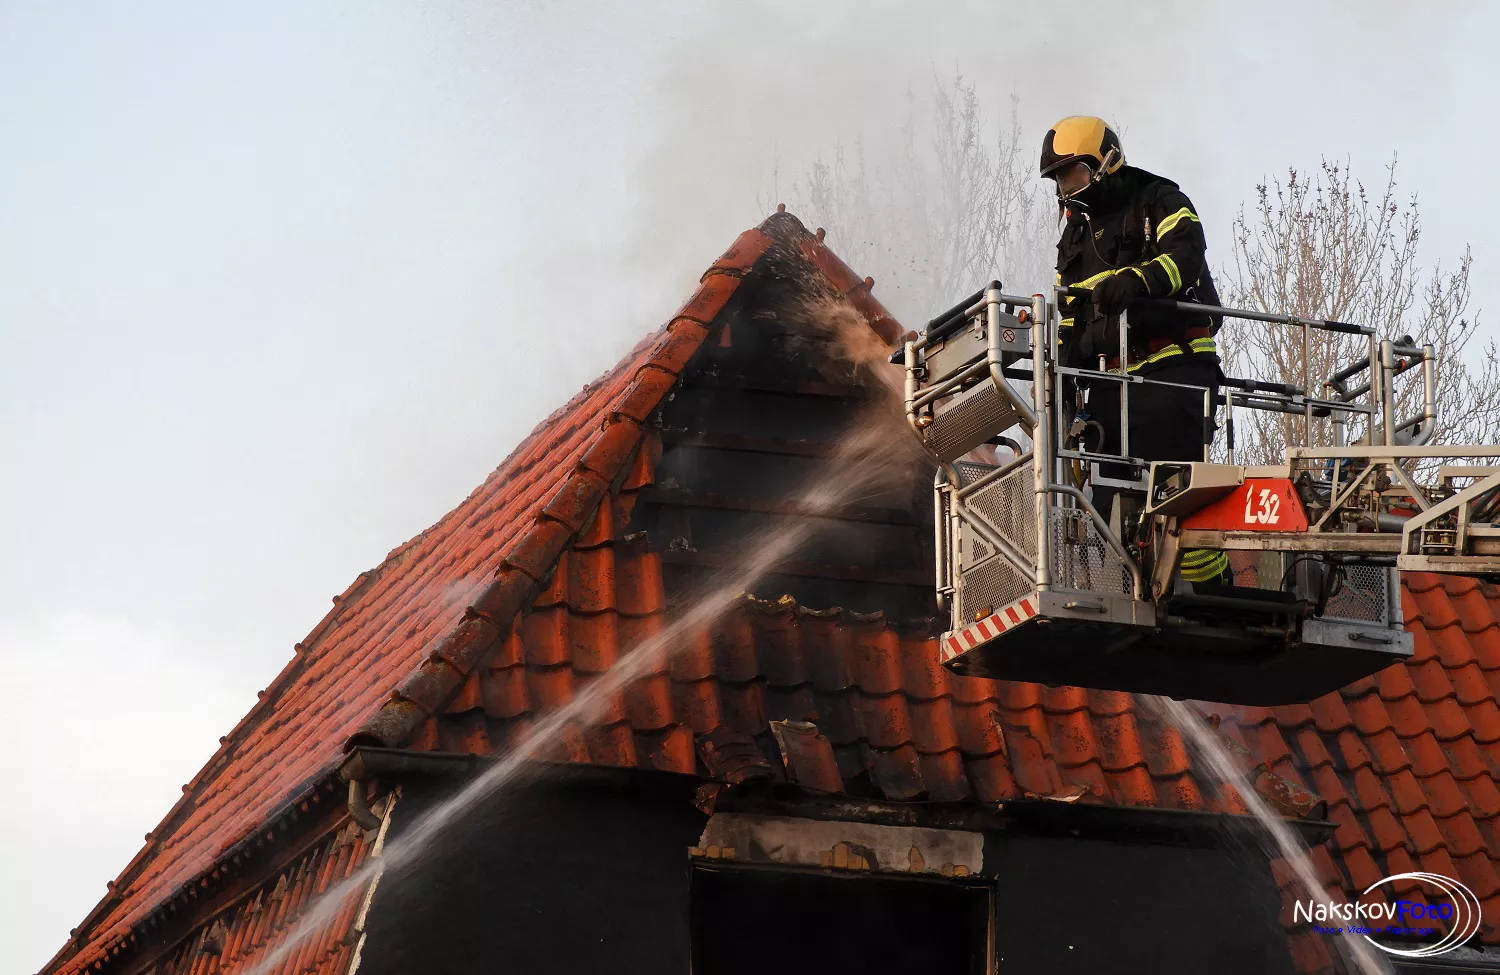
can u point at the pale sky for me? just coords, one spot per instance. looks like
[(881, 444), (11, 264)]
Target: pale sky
[(282, 282)]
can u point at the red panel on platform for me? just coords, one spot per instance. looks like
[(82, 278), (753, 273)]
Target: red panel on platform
[(1261, 504)]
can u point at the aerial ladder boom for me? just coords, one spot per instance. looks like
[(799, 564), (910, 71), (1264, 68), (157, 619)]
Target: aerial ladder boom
[(1040, 585)]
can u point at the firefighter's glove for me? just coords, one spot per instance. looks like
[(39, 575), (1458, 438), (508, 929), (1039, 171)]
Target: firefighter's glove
[(1115, 292)]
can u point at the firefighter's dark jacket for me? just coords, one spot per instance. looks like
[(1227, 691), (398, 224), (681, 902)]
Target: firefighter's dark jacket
[(1133, 222)]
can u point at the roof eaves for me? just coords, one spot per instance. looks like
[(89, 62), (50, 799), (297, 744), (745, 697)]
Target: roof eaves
[(189, 798), (277, 822)]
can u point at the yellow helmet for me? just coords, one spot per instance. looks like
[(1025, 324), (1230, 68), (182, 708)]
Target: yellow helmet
[(1085, 139)]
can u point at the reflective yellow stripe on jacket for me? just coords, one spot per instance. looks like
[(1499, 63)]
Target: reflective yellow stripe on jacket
[(1205, 344), (1165, 227), (1173, 274)]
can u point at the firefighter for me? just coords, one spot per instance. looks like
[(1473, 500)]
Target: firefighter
[(1129, 235)]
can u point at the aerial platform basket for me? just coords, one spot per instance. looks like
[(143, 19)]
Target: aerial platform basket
[(1040, 586)]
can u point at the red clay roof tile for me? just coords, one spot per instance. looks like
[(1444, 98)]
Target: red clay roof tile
[(1267, 743), (934, 725), (1422, 648), (1363, 870), (837, 718), (791, 704), (545, 635), (1486, 647), (1409, 794), (980, 729), (697, 704), (593, 642), (694, 657), (1370, 789), (1423, 831), (1477, 872), (884, 720), (1120, 745), (780, 652), (1132, 786), (1369, 714), (943, 775), (853, 760), (1310, 744), (1179, 792), (1444, 718), (898, 772), (590, 580), (648, 702), (832, 669), (807, 755), (1352, 749), (1105, 704), (1443, 795), (1019, 697), (470, 696), (1461, 835), (976, 691), (924, 677), (1167, 754), (1480, 796), (744, 707), (877, 660), (1325, 782), (1030, 763), (1062, 700), (1073, 741), (1331, 716), (1483, 718), (1473, 606), (504, 691), (1394, 683), (991, 778), (713, 293)]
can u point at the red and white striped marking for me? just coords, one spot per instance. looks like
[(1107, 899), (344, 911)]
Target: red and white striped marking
[(971, 636)]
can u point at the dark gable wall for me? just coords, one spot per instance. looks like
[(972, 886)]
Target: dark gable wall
[(563, 874), (1073, 905), (589, 872)]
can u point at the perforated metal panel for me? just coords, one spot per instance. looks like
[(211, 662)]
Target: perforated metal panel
[(988, 581), (1258, 570), (968, 419), (1081, 559), (1365, 596)]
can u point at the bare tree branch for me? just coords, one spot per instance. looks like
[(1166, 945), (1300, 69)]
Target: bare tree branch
[(1324, 247)]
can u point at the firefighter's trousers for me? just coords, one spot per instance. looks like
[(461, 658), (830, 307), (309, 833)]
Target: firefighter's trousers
[(1166, 423)]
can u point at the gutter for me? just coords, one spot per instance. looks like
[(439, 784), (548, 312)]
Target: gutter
[(366, 762)]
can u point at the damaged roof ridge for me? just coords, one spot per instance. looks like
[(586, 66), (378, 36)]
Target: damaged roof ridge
[(434, 683)]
